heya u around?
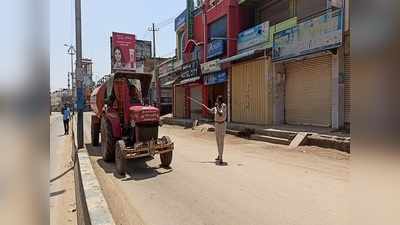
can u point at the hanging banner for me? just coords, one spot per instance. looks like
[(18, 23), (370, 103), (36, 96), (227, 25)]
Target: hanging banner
[(211, 66), (123, 52), (215, 78), (314, 35), (215, 48)]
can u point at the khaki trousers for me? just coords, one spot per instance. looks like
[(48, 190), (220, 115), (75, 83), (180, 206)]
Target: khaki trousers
[(220, 129)]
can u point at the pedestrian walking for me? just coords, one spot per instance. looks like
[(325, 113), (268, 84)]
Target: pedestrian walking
[(219, 112), (66, 116)]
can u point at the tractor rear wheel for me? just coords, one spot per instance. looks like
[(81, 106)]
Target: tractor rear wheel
[(107, 141), (95, 131), (120, 161)]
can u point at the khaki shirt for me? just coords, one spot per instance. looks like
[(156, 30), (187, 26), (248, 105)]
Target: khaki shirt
[(219, 110)]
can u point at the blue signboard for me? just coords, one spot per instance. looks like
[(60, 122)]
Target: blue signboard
[(254, 36), (180, 20), (215, 48), (215, 78), (314, 35)]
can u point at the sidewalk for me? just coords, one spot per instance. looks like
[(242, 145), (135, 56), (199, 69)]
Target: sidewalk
[(282, 134)]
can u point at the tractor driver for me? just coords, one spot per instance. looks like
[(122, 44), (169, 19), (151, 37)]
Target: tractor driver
[(134, 94)]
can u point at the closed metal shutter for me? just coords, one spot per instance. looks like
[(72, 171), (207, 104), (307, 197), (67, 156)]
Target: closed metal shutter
[(179, 103), (308, 92), (249, 92), (347, 89), (195, 108)]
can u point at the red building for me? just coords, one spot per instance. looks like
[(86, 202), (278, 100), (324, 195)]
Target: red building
[(206, 33)]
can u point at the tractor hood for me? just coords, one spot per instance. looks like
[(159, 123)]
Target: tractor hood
[(144, 114)]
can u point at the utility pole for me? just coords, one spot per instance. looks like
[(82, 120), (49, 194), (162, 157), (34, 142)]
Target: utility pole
[(78, 71), (154, 29)]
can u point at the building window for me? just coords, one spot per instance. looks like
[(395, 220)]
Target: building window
[(217, 29), (181, 45), (273, 11), (305, 8)]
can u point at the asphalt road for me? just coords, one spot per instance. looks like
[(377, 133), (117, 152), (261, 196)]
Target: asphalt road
[(262, 184)]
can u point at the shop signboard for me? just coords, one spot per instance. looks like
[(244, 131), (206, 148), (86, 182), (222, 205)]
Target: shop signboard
[(215, 48), (123, 53), (189, 70), (180, 20), (317, 34), (211, 66), (215, 78), (292, 22), (253, 36)]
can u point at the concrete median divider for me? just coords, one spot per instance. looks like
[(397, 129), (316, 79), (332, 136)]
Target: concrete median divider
[(91, 206)]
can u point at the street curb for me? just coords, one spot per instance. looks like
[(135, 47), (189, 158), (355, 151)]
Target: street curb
[(91, 206), (312, 139)]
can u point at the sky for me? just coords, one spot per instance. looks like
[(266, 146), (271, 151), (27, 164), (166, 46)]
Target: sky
[(99, 19)]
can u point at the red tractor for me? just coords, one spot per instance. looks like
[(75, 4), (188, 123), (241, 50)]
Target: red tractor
[(128, 127)]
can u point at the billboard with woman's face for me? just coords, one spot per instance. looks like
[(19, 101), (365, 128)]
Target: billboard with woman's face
[(123, 55)]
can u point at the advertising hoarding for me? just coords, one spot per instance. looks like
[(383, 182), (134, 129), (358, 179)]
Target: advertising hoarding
[(143, 50), (253, 36), (317, 34), (215, 48), (123, 52)]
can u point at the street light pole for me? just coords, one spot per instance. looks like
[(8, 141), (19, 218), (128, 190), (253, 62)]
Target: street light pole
[(78, 71), (71, 51)]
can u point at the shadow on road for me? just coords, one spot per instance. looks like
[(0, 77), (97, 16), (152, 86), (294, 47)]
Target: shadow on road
[(137, 169), (61, 175), (55, 193)]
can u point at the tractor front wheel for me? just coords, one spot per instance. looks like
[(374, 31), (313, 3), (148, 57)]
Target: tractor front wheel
[(107, 141), (120, 161), (166, 158), (95, 134)]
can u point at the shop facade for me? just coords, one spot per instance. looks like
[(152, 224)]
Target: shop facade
[(312, 86)]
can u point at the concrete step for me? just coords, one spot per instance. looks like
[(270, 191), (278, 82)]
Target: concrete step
[(270, 139), (277, 133)]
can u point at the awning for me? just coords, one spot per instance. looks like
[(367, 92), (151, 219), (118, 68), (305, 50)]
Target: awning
[(241, 56), (167, 84), (188, 80), (190, 45)]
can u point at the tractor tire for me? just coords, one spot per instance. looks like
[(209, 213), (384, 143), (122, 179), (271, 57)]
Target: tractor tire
[(95, 131), (166, 158), (120, 161), (107, 141)]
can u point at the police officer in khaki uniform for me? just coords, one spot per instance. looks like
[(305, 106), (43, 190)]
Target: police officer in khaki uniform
[(219, 112)]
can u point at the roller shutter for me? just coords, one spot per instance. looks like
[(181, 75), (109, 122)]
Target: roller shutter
[(249, 92), (179, 103), (347, 89), (308, 92), (195, 108)]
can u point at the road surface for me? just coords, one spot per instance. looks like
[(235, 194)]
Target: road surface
[(262, 184), (62, 192)]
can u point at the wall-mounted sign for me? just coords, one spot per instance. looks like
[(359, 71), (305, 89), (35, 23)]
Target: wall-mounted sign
[(215, 78), (215, 48), (253, 36), (292, 22), (189, 18), (190, 69), (211, 66), (317, 34), (180, 20), (123, 52)]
